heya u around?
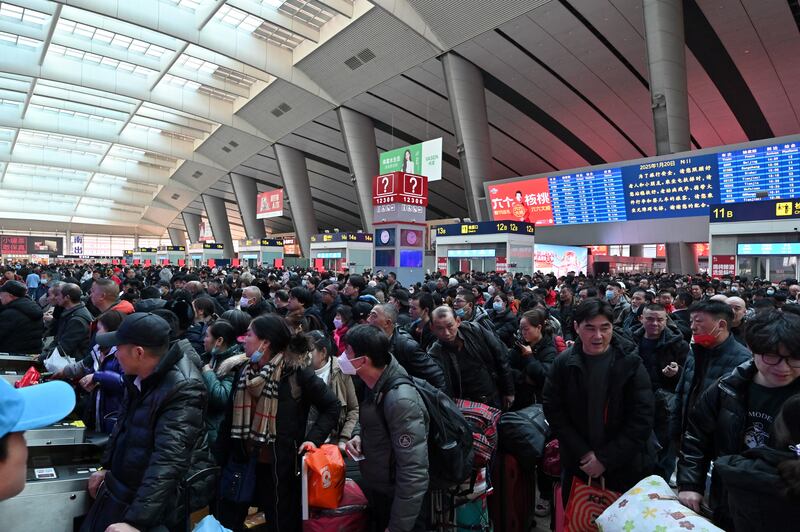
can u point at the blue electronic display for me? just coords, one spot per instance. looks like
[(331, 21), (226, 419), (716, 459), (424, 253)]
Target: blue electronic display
[(766, 172), (588, 197), (787, 248)]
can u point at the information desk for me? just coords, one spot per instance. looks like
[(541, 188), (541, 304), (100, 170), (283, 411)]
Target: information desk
[(264, 252), (337, 251), (201, 252), (171, 254), (485, 246), (145, 256)]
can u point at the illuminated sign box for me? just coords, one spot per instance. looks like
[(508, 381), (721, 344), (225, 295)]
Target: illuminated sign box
[(787, 248), (485, 228), (329, 255), (470, 253)]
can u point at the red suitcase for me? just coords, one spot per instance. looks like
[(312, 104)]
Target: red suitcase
[(513, 500), (350, 516)]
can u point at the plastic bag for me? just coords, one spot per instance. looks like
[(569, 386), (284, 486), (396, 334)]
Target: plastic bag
[(210, 524), (56, 361), (586, 503), (326, 476), (30, 378)]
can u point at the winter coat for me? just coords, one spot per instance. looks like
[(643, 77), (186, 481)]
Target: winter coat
[(262, 307), (329, 313), (414, 360), (73, 334), (21, 327), (565, 314), (159, 440), (719, 361), (670, 348), (105, 400), (505, 325), (755, 491), (715, 427), (626, 453), (219, 382), (481, 317), (488, 354), (196, 334), (345, 391), (338, 338), (394, 444)]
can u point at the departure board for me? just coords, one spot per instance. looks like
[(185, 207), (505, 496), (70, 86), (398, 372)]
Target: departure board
[(762, 173), (588, 197)]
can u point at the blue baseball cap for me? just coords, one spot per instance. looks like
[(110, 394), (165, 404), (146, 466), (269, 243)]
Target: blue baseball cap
[(33, 407)]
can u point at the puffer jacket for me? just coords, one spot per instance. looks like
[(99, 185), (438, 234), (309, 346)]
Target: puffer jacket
[(394, 444), (626, 453), (671, 347), (73, 335), (159, 440), (715, 427), (196, 334), (718, 361), (533, 370), (505, 325), (755, 491), (21, 327), (219, 382), (414, 360), (481, 317), (106, 398)]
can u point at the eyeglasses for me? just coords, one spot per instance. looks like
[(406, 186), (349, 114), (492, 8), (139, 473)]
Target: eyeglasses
[(772, 359)]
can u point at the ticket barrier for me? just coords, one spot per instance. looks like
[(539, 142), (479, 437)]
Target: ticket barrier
[(61, 458)]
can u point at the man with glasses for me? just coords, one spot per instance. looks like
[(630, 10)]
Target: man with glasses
[(738, 411)]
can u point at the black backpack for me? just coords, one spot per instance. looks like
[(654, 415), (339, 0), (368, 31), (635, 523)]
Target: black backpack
[(450, 452)]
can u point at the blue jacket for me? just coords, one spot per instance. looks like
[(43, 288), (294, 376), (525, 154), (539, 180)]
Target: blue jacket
[(105, 400)]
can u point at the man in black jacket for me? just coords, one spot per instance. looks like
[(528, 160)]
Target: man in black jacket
[(737, 412), (599, 403), (159, 438), (72, 336), (474, 361), (663, 351), (21, 324), (404, 348)]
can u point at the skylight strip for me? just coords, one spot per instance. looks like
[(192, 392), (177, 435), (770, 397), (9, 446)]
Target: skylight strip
[(100, 60), (110, 38), (23, 14)]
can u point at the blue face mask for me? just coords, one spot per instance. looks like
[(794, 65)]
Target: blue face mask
[(460, 312), (610, 294), (498, 307), (256, 356)]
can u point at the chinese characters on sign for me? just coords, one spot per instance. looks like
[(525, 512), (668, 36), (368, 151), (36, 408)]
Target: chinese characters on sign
[(269, 204), (722, 265), (527, 201), (398, 187)]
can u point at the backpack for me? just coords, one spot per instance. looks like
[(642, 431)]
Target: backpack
[(483, 419), (450, 449)]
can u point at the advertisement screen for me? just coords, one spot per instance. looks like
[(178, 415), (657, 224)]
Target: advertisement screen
[(269, 204), (384, 238), (384, 258), (522, 201), (410, 258), (205, 232), (421, 159), (560, 260)]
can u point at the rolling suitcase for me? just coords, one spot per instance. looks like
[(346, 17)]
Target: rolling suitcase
[(512, 504)]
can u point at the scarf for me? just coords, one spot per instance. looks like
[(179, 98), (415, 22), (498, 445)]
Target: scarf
[(257, 389)]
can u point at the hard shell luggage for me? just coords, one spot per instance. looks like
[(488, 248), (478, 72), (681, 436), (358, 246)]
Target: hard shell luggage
[(511, 506)]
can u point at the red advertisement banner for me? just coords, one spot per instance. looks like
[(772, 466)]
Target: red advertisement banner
[(722, 265), (269, 204), (527, 201)]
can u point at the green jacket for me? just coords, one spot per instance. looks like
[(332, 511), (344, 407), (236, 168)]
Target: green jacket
[(219, 382)]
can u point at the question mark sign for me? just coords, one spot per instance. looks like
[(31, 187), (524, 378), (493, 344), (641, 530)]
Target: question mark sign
[(385, 181), (413, 185)]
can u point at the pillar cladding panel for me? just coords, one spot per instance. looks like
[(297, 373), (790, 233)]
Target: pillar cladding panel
[(220, 226), (293, 170), (246, 191), (192, 223), (358, 131)]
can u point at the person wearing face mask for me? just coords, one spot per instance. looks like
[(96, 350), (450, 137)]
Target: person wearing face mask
[(342, 322), (390, 442), (330, 302), (223, 357), (737, 412), (326, 367), (253, 302), (503, 319), (464, 309), (266, 418), (713, 353), (615, 295), (532, 356)]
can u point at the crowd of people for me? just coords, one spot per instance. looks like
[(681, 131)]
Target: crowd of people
[(247, 368)]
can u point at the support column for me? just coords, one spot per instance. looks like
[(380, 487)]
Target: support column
[(681, 258), (176, 236), (663, 27), (358, 132), (192, 223), (292, 166), (245, 190), (220, 227), (468, 105)]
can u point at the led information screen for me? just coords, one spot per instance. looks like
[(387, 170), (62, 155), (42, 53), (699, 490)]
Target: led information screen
[(788, 248), (683, 186), (485, 228)]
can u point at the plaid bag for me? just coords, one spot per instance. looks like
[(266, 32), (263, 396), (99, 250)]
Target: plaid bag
[(483, 419)]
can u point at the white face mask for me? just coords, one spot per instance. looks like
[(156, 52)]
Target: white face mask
[(346, 365), (244, 302)]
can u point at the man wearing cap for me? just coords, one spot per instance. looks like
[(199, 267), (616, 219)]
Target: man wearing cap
[(330, 303), (159, 438), (615, 294), (21, 325), (32, 407)]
